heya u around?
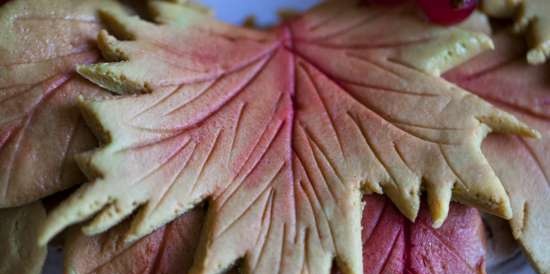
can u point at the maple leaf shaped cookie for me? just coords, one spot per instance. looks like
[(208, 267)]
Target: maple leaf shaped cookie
[(531, 17), (392, 244), (504, 78), (41, 42), (388, 238), (281, 131), (169, 250)]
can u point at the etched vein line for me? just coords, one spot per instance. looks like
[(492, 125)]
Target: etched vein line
[(199, 95), (306, 247), (5, 135), (283, 245), (325, 108), (268, 186), (65, 153), (315, 144), (448, 163), (319, 204), (371, 87), (421, 138), (314, 209), (269, 226), (317, 164), (19, 93), (174, 180), (370, 108), (304, 257), (178, 55), (207, 160), (315, 152), (399, 124), (280, 125), (377, 222), (114, 258), (170, 157), (426, 127), (400, 155), (404, 65), (160, 253), (268, 210), (158, 102), (236, 129), (372, 46), (301, 185), (58, 83), (387, 259), (258, 65), (295, 185), (255, 164), (266, 213), (371, 149), (154, 141), (232, 188), (14, 155), (373, 64)]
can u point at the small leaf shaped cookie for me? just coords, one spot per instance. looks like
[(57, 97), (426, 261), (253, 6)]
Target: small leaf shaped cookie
[(282, 131), (504, 78), (41, 42)]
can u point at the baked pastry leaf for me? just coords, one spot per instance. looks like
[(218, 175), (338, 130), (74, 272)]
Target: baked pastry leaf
[(41, 129), (19, 228), (504, 78), (532, 18), (282, 131), (391, 244)]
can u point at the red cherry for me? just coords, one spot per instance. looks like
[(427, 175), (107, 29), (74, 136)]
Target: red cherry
[(447, 12)]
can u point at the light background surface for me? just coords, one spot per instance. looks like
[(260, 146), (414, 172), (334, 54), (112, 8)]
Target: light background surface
[(265, 13)]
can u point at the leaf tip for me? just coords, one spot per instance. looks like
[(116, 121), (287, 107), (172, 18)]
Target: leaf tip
[(110, 76), (439, 198), (539, 54), (504, 122), (110, 47), (121, 23)]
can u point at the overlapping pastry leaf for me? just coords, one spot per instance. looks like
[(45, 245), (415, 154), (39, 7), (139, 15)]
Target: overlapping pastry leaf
[(41, 42), (523, 165), (532, 17), (457, 247), (169, 250), (392, 244), (281, 131), (19, 228)]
